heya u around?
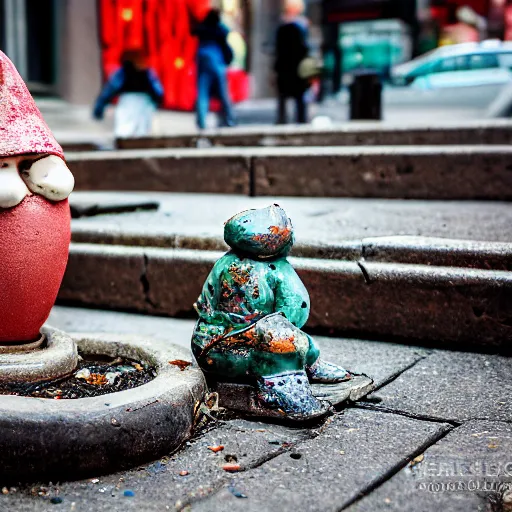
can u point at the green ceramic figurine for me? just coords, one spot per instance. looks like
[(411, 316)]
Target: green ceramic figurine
[(251, 311)]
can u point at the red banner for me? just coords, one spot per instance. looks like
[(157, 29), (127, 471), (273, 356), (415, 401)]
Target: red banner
[(162, 29)]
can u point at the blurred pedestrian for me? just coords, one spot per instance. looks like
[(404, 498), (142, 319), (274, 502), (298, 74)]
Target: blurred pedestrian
[(291, 50), (214, 55), (139, 92)]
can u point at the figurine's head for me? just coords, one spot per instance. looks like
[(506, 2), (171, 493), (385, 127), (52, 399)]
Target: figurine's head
[(31, 160), (264, 233)]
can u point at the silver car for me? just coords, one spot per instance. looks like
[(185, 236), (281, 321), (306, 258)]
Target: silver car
[(458, 65)]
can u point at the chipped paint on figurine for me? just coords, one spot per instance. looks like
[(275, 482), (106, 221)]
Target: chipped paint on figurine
[(251, 311)]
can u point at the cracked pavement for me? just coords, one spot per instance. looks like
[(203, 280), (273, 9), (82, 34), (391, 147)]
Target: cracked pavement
[(436, 434)]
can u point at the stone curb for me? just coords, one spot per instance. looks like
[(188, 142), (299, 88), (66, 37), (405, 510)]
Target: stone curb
[(409, 172), (89, 436), (348, 135), (469, 307), (390, 249)]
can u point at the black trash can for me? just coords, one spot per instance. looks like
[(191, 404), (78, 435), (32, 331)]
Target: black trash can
[(366, 96)]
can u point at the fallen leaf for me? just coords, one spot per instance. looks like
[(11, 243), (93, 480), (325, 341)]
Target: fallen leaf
[(138, 367), (417, 460), (492, 446), (97, 379), (216, 449), (182, 365)]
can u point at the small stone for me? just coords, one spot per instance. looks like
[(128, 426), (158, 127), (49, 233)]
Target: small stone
[(129, 493), (236, 493), (184, 473), (231, 468), (112, 376), (94, 480), (126, 369), (84, 373), (417, 460), (56, 500), (5, 490)]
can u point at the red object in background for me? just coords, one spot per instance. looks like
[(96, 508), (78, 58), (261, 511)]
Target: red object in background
[(162, 28), (34, 237), (508, 23)]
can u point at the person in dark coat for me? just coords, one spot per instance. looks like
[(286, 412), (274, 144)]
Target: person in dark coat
[(213, 58), (291, 49)]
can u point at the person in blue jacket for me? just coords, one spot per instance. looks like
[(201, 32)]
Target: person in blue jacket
[(213, 58), (139, 91)]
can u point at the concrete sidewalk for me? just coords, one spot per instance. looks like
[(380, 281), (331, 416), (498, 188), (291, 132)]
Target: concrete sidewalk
[(435, 435)]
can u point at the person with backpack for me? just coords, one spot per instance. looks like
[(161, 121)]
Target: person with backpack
[(139, 92), (214, 55)]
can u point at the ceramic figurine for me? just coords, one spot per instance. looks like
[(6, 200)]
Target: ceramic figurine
[(251, 311), (34, 212)]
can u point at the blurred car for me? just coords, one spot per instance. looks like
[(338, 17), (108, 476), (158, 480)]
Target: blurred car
[(458, 65)]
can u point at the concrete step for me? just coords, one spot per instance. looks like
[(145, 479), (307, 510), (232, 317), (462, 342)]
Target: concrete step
[(353, 134), (465, 234), (410, 172), (452, 306)]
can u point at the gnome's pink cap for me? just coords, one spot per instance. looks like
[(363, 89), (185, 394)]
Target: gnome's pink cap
[(22, 128)]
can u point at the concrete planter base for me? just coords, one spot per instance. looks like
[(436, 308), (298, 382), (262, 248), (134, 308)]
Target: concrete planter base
[(58, 439)]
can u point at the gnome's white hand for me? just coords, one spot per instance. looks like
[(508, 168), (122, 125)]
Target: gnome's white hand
[(22, 175)]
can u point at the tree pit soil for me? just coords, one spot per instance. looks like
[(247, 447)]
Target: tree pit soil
[(94, 376)]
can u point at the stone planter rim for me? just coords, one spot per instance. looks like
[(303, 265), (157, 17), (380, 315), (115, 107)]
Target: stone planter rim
[(73, 438)]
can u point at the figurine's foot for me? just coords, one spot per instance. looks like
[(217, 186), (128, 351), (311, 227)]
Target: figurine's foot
[(327, 373), (290, 396)]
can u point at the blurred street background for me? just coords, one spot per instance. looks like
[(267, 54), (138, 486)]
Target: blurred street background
[(66, 49)]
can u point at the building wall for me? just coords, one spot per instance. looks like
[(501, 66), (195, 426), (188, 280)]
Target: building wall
[(79, 72)]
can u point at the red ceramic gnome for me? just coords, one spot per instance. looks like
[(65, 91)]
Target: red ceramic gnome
[(34, 212)]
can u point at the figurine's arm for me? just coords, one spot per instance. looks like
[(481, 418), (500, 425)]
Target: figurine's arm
[(292, 298)]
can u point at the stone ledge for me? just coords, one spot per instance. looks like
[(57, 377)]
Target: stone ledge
[(346, 135), (389, 249), (462, 172), (471, 307), (156, 171)]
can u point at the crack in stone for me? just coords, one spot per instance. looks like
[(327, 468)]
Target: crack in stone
[(420, 417), (398, 467), (366, 276), (145, 282)]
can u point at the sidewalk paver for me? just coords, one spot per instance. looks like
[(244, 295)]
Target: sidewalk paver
[(354, 453), (280, 468), (459, 473), (453, 386)]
